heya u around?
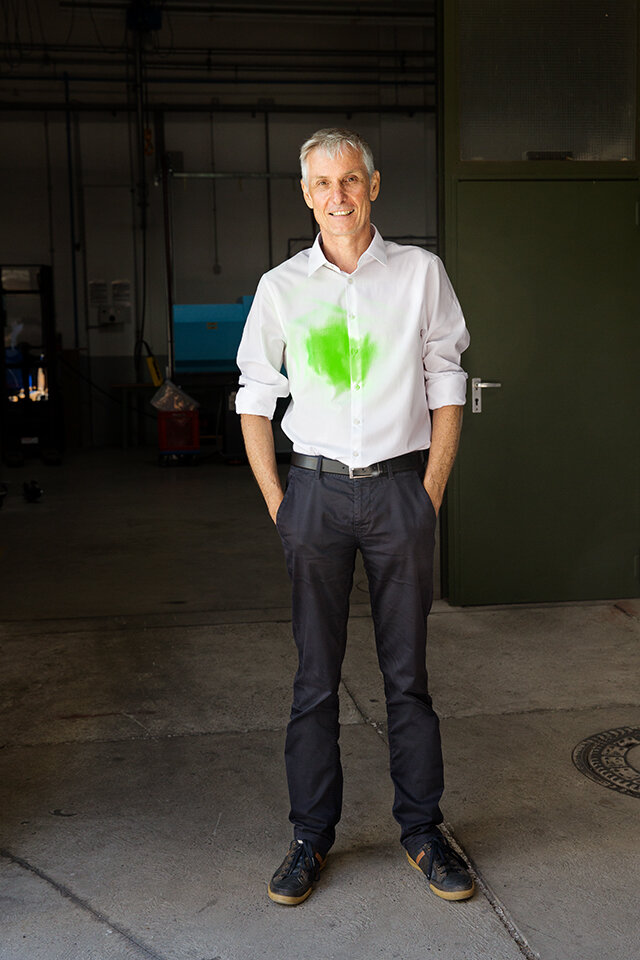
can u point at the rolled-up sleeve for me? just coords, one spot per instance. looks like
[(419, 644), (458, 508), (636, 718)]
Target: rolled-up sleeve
[(444, 340), (260, 357)]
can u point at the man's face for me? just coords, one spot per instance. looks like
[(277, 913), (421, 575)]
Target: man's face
[(340, 193)]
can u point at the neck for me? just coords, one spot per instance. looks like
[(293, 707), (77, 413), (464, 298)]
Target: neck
[(345, 252)]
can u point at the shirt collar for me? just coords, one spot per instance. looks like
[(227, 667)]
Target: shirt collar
[(376, 249)]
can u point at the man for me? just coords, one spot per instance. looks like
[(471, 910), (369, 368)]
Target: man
[(370, 335)]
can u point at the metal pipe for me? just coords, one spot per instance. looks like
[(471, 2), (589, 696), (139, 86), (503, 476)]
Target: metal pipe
[(412, 13), (250, 52), (268, 185), (139, 94), (168, 256), (208, 81), (72, 214), (252, 108), (396, 74), (47, 153), (238, 175), (214, 199), (81, 227)]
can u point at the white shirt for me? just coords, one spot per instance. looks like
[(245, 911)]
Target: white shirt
[(366, 354)]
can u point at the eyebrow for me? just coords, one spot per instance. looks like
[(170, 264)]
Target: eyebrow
[(325, 176)]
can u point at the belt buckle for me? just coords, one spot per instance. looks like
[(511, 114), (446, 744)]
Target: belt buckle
[(360, 473)]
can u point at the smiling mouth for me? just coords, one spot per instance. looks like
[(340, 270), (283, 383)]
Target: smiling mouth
[(341, 213)]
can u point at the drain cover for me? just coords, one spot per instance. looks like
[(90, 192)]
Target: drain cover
[(612, 759)]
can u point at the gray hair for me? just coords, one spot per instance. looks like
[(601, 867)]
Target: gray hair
[(334, 141)]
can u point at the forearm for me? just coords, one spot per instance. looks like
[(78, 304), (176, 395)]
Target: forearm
[(258, 441), (445, 436)]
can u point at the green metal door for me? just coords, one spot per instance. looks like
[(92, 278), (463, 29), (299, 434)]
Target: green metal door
[(544, 502)]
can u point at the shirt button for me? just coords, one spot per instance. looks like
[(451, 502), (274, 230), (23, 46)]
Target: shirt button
[(350, 280), (355, 453), (356, 422), (356, 386)]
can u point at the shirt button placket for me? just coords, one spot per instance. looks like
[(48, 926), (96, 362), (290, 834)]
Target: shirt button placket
[(355, 369)]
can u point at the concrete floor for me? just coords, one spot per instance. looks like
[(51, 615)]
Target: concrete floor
[(145, 675)]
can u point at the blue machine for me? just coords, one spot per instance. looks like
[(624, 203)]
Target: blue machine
[(206, 336)]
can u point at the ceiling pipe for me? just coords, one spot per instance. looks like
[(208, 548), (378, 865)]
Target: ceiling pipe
[(298, 82), (349, 110), (162, 52), (72, 215), (408, 13), (395, 75)]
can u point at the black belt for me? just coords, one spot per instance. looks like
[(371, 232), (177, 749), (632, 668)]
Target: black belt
[(408, 461)]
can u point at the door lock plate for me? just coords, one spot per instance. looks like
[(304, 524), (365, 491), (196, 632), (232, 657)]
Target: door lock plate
[(477, 386)]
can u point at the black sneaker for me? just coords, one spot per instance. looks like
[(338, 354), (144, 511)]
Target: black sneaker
[(293, 880), (446, 872)]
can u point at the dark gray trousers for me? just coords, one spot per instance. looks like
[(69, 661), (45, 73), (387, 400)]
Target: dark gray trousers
[(323, 520)]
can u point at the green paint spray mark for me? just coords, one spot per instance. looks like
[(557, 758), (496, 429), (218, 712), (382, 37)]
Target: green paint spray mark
[(333, 358)]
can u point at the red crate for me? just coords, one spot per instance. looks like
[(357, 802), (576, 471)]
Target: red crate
[(178, 432)]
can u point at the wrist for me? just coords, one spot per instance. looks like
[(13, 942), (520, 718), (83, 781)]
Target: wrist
[(273, 504), (435, 492)]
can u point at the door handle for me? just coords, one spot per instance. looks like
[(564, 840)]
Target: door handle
[(477, 386)]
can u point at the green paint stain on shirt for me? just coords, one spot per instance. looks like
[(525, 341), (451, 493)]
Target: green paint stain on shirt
[(334, 357), (328, 354)]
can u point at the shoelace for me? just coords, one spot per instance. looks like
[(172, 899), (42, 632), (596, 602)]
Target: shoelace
[(440, 850), (304, 856)]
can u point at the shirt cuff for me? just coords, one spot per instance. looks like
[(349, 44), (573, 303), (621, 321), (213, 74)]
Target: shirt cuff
[(448, 389), (249, 402)]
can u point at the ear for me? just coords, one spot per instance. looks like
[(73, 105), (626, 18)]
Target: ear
[(306, 195), (374, 185)]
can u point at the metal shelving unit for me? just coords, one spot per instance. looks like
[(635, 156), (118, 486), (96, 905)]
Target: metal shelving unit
[(30, 405)]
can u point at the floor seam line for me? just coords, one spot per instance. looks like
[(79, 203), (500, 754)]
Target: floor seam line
[(492, 899), (537, 710), (631, 616), (450, 608), (124, 627), (82, 904), (369, 721), (147, 739), (98, 621), (364, 718)]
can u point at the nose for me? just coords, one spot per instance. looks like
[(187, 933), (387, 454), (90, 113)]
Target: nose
[(338, 193)]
